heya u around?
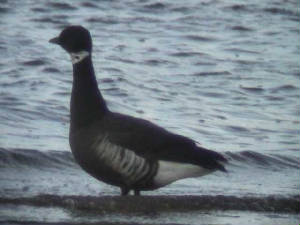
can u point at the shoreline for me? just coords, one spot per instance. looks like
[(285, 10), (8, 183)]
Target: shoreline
[(146, 210), (153, 204)]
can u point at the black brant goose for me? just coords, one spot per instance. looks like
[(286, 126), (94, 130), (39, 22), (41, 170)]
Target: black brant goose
[(121, 150)]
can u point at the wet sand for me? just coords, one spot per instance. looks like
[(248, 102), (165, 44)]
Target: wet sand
[(51, 209), (157, 204)]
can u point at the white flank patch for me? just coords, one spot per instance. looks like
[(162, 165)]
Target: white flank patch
[(121, 160), (169, 172), (77, 57)]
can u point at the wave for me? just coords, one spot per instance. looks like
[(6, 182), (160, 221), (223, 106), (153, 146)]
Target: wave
[(33, 158), (144, 204), (14, 157), (271, 161)]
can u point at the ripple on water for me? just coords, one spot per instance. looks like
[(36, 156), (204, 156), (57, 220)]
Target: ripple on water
[(40, 10), (284, 88), (275, 98), (51, 70), (252, 157), (61, 6), (107, 80), (158, 62), (62, 93), (281, 11), (17, 83), (8, 100), (241, 28), (238, 7), (123, 60), (52, 20), (114, 72), (155, 6), (4, 9), (200, 38), (247, 62), (212, 73), (110, 20), (241, 50), (34, 62), (237, 129), (255, 90), (115, 91), (187, 54), (89, 5)]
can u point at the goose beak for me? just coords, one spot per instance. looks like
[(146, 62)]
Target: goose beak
[(55, 41)]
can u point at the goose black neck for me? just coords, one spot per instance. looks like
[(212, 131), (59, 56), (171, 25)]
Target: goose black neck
[(87, 103)]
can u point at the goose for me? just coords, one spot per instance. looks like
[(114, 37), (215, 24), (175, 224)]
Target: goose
[(121, 150)]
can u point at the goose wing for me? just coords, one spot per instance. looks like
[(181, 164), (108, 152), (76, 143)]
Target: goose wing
[(153, 142)]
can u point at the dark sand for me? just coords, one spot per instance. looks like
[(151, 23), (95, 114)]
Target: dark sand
[(112, 210)]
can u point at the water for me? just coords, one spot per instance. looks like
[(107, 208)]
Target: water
[(225, 73)]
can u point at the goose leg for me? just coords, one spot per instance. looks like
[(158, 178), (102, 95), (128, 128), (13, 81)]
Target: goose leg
[(137, 192), (124, 191)]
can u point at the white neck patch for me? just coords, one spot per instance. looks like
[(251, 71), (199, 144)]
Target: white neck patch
[(77, 57)]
